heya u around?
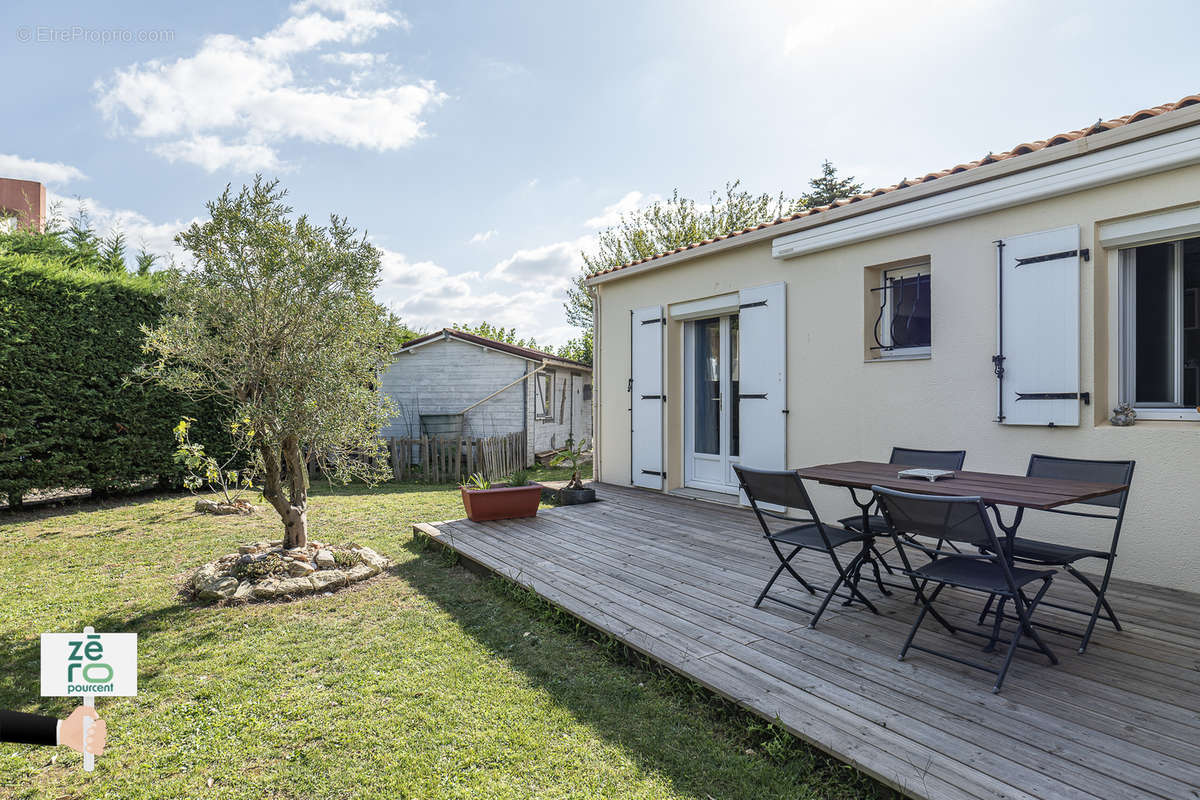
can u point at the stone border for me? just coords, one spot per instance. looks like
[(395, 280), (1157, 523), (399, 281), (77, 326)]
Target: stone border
[(265, 571)]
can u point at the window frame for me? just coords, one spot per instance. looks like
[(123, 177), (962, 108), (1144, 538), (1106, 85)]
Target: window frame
[(544, 388), (888, 351), (1127, 317)]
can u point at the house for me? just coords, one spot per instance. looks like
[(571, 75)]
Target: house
[(22, 205), (451, 381), (1004, 306)]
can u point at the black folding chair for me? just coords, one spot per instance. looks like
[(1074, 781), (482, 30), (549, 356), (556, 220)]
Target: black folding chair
[(1049, 554), (930, 459), (962, 520), (784, 488), (910, 457)]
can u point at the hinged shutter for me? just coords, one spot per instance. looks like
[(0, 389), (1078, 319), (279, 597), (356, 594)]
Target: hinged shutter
[(1038, 356), (647, 400), (762, 390)]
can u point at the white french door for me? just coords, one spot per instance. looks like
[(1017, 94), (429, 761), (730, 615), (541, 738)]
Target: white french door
[(711, 409)]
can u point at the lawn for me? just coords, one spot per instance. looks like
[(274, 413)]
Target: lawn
[(425, 682)]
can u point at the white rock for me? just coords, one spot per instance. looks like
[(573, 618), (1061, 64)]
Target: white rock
[(325, 560), (295, 586), (298, 569), (266, 589), (361, 573), (207, 574), (328, 579), (245, 591), (219, 589)]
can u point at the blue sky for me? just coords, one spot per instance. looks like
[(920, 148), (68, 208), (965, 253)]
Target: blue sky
[(483, 144)]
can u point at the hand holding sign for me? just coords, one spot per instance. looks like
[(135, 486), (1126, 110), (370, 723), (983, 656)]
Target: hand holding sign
[(88, 665), (72, 734)]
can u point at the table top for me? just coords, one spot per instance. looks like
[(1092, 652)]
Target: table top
[(994, 488)]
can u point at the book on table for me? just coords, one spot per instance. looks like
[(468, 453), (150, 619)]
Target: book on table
[(926, 474)]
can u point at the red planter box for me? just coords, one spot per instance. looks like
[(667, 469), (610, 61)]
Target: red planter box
[(508, 502)]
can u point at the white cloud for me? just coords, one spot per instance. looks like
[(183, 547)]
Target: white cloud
[(612, 214), (30, 169), (356, 60), (549, 266), (235, 100), (158, 237), (483, 236), (213, 154)]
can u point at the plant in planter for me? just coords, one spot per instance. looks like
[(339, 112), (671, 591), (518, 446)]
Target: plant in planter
[(574, 492), (485, 502)]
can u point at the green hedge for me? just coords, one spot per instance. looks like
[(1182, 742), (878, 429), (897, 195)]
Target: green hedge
[(72, 413)]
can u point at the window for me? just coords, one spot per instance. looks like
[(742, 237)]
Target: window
[(1160, 329), (8, 223), (544, 395), (899, 308)]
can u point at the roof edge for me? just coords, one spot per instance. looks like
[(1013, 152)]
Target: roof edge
[(1133, 131)]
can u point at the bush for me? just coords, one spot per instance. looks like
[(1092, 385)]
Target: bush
[(72, 413)]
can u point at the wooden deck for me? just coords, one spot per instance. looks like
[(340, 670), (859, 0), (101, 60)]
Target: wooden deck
[(676, 578)]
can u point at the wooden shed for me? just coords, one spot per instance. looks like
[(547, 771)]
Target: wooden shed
[(455, 383)]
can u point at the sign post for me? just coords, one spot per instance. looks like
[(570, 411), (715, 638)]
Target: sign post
[(89, 665)]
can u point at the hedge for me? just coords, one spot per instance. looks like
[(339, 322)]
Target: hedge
[(72, 412)]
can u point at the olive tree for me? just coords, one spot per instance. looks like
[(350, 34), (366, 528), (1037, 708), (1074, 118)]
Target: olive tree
[(275, 315)]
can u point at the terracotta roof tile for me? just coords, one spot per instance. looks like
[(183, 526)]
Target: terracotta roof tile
[(990, 158)]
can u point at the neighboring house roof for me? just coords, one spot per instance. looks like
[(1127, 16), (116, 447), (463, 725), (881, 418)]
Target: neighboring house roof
[(990, 158), (512, 349)]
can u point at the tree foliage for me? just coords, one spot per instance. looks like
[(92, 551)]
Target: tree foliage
[(276, 317), (69, 415), (828, 186), (679, 221), (497, 334)]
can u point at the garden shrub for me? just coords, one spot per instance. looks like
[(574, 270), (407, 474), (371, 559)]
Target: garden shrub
[(72, 411)]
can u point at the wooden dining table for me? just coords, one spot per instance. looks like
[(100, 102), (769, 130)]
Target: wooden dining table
[(994, 489)]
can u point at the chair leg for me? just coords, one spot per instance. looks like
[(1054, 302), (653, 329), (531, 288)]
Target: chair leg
[(986, 608), (1026, 607), (784, 563), (844, 579), (787, 562), (996, 623), (1101, 602), (1012, 651), (926, 607)]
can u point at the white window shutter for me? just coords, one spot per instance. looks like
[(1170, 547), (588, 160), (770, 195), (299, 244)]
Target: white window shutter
[(762, 332), (1038, 366), (647, 400)]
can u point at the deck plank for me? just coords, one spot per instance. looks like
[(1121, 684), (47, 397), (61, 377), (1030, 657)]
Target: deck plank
[(675, 579)]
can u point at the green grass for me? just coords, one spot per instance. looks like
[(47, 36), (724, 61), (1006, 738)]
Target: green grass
[(426, 682)]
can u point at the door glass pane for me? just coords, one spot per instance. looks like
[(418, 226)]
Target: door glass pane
[(734, 382), (707, 372), (1191, 323), (1154, 333)]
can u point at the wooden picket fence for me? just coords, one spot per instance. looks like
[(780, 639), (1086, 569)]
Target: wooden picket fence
[(439, 459)]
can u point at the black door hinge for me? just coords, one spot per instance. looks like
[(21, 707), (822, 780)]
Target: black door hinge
[(1086, 397)]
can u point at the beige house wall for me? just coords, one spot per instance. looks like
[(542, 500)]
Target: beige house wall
[(843, 407)]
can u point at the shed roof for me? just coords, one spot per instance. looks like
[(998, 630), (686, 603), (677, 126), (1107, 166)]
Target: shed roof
[(504, 347)]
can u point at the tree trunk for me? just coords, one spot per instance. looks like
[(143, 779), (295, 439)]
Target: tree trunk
[(293, 508)]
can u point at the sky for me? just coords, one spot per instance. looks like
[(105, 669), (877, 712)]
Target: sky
[(482, 145)]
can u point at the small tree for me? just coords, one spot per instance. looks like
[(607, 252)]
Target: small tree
[(276, 317)]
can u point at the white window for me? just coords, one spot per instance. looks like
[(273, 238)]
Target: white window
[(544, 395), (1160, 329), (8, 223), (903, 326)]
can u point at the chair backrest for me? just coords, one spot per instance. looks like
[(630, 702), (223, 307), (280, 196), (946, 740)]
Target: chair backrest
[(781, 487), (1081, 469), (959, 520), (929, 459)]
